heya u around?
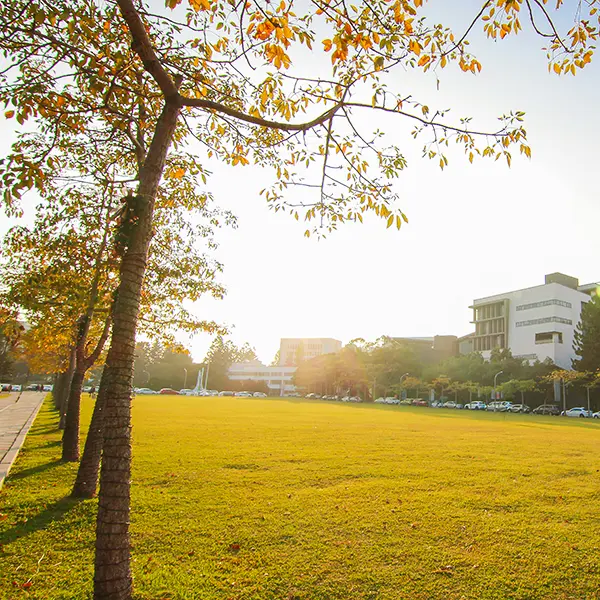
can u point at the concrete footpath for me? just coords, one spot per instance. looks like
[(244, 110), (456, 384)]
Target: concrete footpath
[(17, 413)]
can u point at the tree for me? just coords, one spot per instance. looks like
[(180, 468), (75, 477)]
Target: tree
[(10, 335), (586, 344), (70, 67), (514, 386), (275, 361), (221, 355)]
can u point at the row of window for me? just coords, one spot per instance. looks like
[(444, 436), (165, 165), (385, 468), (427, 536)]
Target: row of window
[(549, 337), (554, 301), (489, 342), (489, 311), (544, 320), (493, 326), (259, 374)]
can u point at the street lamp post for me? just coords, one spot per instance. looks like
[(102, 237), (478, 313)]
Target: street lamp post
[(496, 377), (401, 379)]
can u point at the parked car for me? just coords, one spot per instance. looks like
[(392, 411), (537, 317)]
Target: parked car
[(476, 405), (145, 391), (48, 388), (499, 406), (169, 391), (259, 395), (546, 409), (578, 412), (449, 404), (243, 394), (226, 393), (421, 403), (520, 408), (185, 392), (596, 415)]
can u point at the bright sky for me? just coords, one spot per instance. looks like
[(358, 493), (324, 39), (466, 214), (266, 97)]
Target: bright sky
[(474, 230)]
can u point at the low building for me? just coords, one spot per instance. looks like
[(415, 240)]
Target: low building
[(293, 351), (278, 379), (536, 323)]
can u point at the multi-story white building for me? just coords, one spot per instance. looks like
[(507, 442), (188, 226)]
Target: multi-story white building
[(278, 379), (294, 350), (536, 323)]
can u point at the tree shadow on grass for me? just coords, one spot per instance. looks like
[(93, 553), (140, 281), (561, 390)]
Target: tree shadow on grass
[(34, 470), (51, 514)]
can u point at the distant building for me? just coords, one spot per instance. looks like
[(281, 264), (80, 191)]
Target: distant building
[(431, 350), (536, 323), (278, 379), (295, 350)]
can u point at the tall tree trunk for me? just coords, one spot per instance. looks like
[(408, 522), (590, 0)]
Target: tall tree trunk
[(57, 384), (70, 450), (70, 444), (87, 475), (64, 394), (112, 577)]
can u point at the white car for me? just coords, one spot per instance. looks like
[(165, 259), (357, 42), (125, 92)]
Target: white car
[(260, 395), (145, 391), (596, 415), (48, 388), (476, 405), (579, 412), (243, 394), (499, 406)]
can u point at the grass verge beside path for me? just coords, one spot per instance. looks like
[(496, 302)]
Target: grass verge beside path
[(269, 499)]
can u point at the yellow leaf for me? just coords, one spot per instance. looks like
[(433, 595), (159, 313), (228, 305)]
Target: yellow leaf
[(9, 114)]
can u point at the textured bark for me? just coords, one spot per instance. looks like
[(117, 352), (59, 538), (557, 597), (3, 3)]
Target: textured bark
[(70, 443), (64, 393), (57, 384), (86, 481), (112, 577)]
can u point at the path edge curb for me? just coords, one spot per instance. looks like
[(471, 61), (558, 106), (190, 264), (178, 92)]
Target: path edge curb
[(13, 451)]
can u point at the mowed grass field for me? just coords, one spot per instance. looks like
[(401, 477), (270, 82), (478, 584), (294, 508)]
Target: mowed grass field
[(277, 499)]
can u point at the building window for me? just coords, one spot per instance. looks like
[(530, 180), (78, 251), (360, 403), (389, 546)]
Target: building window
[(544, 303), (544, 320)]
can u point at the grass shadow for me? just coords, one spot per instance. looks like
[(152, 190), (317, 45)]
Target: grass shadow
[(51, 514), (35, 470)]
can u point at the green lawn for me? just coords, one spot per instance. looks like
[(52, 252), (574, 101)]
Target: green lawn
[(277, 499)]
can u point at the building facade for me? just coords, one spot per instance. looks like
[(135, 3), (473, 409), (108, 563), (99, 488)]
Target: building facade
[(536, 323), (278, 379), (295, 350)]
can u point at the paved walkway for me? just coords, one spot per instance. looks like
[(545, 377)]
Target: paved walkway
[(17, 413)]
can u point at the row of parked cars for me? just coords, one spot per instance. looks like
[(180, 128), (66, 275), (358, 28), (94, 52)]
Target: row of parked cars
[(497, 406), (32, 387), (188, 392)]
